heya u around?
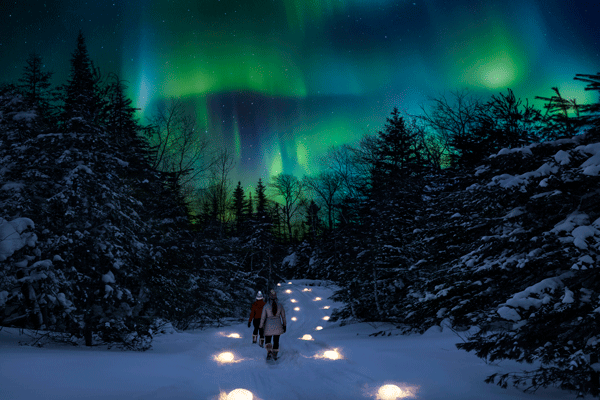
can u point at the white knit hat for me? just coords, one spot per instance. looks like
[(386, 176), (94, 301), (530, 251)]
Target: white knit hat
[(259, 295)]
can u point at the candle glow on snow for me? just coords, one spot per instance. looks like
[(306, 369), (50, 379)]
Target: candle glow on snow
[(226, 357)]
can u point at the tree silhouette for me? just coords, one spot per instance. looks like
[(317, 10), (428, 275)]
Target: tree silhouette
[(81, 102), (35, 82)]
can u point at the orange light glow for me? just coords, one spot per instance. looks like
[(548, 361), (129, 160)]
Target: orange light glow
[(294, 319), (326, 318), (307, 290), (326, 308), (318, 328), (289, 283), (294, 300), (288, 291), (317, 298), (296, 308), (306, 337)]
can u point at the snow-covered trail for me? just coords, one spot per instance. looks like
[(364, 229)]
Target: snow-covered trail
[(186, 366)]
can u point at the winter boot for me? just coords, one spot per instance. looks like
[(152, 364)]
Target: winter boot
[(261, 342), (275, 351), (269, 351), (254, 339)]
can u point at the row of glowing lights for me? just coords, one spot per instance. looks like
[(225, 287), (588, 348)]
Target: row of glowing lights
[(385, 392), (228, 357)]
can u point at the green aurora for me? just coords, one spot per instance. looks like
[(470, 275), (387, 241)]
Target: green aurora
[(279, 82)]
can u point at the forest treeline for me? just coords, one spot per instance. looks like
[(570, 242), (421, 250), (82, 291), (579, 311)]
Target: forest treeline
[(476, 212), (97, 240)]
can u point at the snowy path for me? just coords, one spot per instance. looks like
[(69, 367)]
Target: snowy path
[(184, 365)]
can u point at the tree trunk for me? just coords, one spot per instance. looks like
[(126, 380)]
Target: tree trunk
[(376, 294), (87, 334)]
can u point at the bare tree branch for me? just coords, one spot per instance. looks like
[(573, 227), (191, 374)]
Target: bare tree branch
[(180, 146)]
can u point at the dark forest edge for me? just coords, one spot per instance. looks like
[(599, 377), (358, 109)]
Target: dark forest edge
[(112, 229)]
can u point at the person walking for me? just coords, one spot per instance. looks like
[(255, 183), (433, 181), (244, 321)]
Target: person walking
[(255, 315), (273, 322)]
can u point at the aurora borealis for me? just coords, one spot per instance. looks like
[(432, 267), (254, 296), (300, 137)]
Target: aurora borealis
[(281, 81)]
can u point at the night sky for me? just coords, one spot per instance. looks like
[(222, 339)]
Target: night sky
[(281, 81)]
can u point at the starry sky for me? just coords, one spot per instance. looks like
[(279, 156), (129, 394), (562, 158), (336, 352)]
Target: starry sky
[(281, 81)]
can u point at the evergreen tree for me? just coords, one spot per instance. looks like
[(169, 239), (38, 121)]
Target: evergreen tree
[(261, 200), (81, 101), (121, 123), (313, 222), (239, 205), (249, 209), (35, 82), (276, 216), (398, 154)]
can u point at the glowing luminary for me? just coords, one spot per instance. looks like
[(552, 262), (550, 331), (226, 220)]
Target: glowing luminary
[(279, 284), (240, 394), (294, 319), (326, 308), (307, 337), (326, 318), (393, 392), (225, 357), (233, 335), (331, 354), (296, 308), (318, 328), (289, 283), (294, 300), (317, 298), (288, 291), (306, 290)]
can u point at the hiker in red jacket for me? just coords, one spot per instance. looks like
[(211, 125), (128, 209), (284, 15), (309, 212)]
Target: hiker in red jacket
[(255, 314)]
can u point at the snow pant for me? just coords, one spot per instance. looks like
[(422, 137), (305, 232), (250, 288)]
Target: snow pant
[(275, 341), (256, 323)]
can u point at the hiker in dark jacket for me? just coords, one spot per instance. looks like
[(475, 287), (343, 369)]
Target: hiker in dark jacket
[(255, 314)]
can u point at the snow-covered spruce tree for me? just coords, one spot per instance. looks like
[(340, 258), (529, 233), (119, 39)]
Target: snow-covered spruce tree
[(91, 226), (23, 277), (553, 318), (540, 262), (511, 248), (85, 195)]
